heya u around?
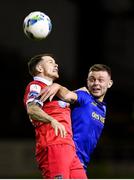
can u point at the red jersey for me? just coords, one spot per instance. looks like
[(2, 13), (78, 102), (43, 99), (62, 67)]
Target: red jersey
[(58, 109)]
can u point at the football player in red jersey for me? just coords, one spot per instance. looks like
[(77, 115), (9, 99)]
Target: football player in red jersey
[(55, 149)]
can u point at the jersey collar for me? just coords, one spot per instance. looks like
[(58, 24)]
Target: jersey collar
[(46, 81)]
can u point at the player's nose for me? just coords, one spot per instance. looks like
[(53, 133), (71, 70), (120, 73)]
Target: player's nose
[(96, 81), (56, 65)]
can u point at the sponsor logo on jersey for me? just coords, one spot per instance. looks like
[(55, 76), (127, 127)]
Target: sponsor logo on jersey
[(98, 117)]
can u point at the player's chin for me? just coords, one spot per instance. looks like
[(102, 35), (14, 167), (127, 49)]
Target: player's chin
[(56, 76), (96, 94)]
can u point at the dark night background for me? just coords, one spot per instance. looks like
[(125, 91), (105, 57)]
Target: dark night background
[(83, 33)]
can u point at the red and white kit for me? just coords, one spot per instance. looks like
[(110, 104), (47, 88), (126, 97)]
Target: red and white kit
[(56, 156)]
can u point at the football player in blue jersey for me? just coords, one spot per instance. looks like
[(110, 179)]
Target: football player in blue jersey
[(88, 109)]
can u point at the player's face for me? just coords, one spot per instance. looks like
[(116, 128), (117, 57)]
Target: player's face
[(48, 67), (98, 82)]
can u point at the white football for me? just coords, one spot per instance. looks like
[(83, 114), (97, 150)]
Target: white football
[(37, 25)]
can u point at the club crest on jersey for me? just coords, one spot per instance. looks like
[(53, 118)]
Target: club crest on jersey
[(62, 104)]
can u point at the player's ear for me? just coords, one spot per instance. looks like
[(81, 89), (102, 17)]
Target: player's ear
[(110, 83), (39, 68)]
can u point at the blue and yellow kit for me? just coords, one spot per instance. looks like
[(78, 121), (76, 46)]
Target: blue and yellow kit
[(88, 117)]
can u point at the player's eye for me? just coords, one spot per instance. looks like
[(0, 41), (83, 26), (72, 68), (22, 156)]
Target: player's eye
[(91, 80), (101, 80)]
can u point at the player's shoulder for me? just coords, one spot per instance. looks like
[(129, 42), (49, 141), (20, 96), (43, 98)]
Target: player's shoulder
[(83, 89), (83, 95), (35, 85)]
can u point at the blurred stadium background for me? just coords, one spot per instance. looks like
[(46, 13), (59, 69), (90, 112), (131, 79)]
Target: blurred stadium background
[(83, 33)]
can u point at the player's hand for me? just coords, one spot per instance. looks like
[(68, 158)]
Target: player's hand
[(49, 92), (58, 128)]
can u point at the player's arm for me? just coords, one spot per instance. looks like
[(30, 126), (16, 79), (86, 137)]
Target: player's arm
[(35, 112), (58, 90), (67, 95)]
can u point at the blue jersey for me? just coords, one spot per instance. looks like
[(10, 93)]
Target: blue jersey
[(88, 117)]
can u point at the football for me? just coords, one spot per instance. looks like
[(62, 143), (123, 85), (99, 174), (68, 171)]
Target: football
[(37, 25)]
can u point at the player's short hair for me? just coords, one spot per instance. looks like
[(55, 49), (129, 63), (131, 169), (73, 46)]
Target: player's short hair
[(101, 67), (34, 61)]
